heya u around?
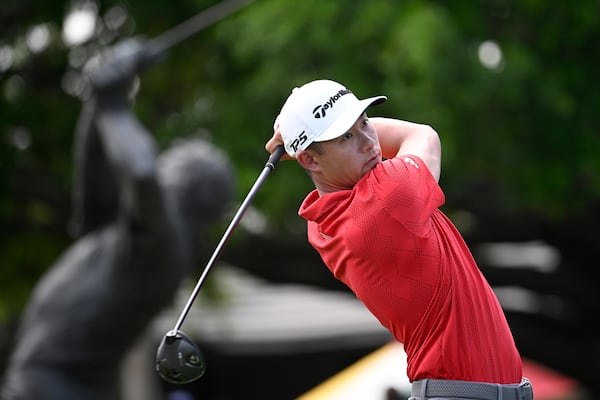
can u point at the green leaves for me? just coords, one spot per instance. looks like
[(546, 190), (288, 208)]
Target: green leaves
[(529, 126)]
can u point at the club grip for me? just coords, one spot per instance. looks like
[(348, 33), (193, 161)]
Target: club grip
[(275, 156)]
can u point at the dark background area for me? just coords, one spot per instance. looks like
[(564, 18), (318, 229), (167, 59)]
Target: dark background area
[(512, 88)]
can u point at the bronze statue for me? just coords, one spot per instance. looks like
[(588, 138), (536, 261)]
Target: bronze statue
[(139, 217)]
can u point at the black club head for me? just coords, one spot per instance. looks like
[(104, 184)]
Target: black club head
[(178, 359)]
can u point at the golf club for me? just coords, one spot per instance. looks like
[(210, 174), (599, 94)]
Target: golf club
[(128, 57), (178, 359)]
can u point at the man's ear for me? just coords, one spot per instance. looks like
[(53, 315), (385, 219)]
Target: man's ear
[(306, 160)]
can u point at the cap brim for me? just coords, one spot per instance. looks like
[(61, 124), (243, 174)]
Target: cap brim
[(345, 121)]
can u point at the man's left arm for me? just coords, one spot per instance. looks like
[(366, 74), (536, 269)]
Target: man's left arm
[(398, 137)]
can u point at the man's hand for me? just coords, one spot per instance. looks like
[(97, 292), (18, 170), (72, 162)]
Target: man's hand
[(275, 141)]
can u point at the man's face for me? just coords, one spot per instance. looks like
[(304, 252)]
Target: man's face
[(344, 160)]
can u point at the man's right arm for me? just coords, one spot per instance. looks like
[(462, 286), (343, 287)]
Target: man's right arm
[(398, 137)]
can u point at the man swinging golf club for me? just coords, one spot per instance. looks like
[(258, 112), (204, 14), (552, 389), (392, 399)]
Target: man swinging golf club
[(374, 218)]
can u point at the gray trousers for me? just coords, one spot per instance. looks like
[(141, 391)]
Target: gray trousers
[(439, 389)]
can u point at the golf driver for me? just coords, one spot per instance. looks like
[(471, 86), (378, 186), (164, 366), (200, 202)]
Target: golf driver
[(178, 359)]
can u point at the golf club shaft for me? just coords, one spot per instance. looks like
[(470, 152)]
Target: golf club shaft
[(269, 166), (156, 47)]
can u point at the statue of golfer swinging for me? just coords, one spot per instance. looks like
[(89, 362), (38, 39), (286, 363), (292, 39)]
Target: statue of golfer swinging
[(139, 217)]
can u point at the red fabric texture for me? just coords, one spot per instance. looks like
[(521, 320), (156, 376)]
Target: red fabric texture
[(387, 240)]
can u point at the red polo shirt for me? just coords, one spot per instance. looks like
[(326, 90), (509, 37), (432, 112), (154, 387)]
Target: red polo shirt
[(387, 240)]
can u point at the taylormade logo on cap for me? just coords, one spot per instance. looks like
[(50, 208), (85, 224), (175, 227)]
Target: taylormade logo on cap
[(318, 111), (321, 109)]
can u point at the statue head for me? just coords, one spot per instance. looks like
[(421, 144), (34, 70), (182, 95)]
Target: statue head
[(199, 179)]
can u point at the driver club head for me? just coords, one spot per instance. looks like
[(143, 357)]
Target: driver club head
[(178, 359)]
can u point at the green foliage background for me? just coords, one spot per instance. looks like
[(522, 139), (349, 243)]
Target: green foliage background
[(530, 127)]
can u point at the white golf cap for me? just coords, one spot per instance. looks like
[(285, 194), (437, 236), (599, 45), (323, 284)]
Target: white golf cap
[(318, 111)]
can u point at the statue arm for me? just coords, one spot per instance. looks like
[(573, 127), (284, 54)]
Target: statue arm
[(132, 153), (115, 155), (95, 195)]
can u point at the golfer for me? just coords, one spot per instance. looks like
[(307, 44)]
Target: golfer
[(374, 218)]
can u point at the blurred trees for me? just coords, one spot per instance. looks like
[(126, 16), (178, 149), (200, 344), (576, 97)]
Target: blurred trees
[(512, 88)]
